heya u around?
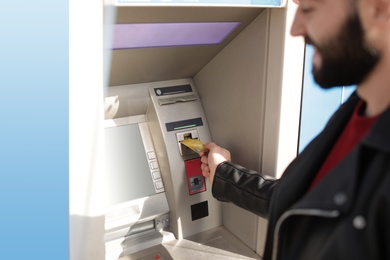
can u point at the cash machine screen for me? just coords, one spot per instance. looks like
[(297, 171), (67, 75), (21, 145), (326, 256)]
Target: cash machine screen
[(129, 167)]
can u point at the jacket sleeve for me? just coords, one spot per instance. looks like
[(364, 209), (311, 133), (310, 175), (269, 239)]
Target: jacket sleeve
[(245, 188)]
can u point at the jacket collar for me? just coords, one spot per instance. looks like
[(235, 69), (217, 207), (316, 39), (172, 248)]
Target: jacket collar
[(379, 136)]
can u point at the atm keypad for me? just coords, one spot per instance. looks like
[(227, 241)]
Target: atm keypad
[(154, 171)]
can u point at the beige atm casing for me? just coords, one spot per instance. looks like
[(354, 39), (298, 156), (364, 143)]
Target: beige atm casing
[(172, 162)]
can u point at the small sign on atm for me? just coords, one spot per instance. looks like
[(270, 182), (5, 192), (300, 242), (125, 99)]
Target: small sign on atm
[(195, 178)]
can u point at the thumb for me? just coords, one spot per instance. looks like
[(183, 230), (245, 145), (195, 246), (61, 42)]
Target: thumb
[(210, 145)]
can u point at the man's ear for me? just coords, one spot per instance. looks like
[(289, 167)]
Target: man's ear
[(375, 18), (381, 10)]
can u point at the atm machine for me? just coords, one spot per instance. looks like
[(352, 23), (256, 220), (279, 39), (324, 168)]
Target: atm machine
[(160, 204), (230, 91)]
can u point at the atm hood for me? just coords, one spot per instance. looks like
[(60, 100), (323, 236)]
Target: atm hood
[(141, 65)]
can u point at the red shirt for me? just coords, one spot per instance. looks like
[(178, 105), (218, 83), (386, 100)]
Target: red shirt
[(357, 127)]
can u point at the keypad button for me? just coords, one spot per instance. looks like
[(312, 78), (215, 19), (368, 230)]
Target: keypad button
[(156, 175), (159, 185), (151, 155), (153, 165)]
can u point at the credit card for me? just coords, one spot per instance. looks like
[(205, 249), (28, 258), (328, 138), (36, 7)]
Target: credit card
[(194, 144)]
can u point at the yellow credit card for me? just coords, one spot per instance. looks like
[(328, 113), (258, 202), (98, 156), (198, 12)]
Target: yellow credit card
[(194, 144)]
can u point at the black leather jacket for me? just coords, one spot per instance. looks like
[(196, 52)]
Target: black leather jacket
[(345, 216)]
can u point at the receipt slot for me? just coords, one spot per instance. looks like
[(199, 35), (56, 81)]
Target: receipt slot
[(195, 179)]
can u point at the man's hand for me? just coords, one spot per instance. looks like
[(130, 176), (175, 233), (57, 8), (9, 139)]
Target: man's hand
[(211, 158)]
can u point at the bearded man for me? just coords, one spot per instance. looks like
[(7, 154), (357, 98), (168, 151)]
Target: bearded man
[(333, 200)]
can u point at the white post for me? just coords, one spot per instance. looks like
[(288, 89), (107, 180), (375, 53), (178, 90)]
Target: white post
[(86, 132)]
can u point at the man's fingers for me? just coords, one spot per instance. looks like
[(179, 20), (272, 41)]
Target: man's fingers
[(204, 160), (205, 171)]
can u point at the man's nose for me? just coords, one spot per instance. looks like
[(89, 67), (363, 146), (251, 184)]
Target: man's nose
[(297, 27)]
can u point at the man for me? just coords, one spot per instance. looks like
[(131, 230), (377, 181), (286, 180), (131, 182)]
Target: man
[(333, 201)]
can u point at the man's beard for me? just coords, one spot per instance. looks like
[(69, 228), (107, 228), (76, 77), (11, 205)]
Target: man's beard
[(346, 58)]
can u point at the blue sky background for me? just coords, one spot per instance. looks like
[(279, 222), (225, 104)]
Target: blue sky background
[(317, 104), (34, 129)]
